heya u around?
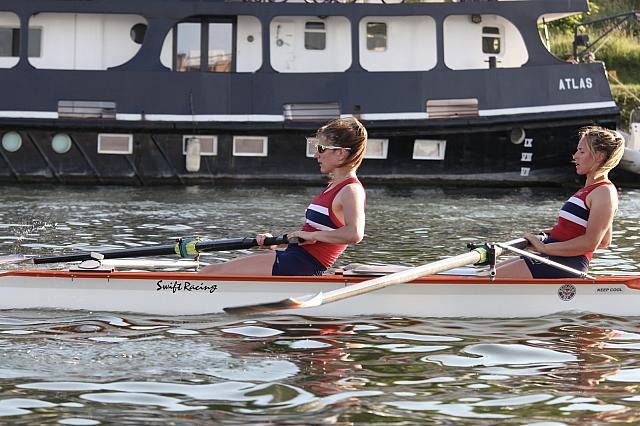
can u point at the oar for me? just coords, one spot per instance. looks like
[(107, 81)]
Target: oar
[(185, 247), (13, 258), (478, 255), (546, 261)]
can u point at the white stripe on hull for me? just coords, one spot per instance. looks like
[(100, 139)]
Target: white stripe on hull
[(432, 297), (275, 118)]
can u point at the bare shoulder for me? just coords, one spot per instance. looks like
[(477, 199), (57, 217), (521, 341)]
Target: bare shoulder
[(352, 188), (609, 191), (353, 191), (604, 194)]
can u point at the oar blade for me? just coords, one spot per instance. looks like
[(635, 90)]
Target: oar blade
[(308, 301)]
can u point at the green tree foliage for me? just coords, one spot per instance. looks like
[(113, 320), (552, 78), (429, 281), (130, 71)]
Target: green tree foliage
[(566, 25), (626, 97), (620, 51)]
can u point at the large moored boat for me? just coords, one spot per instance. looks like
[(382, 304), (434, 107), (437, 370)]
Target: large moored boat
[(186, 91)]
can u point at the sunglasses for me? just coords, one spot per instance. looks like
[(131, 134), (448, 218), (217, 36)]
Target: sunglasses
[(322, 148)]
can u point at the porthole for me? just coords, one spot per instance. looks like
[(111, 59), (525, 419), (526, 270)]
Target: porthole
[(61, 143), (137, 33), (517, 135), (11, 141)]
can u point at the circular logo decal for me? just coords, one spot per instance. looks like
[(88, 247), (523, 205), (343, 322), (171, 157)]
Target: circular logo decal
[(566, 292)]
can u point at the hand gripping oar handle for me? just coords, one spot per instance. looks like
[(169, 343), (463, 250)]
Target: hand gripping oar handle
[(185, 247)]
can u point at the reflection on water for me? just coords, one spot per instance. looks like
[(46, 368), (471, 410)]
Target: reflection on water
[(83, 368), (78, 367)]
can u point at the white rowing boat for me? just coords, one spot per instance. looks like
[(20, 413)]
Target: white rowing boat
[(188, 293), (416, 291)]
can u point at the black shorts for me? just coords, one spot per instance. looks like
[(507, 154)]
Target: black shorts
[(540, 270), (295, 260)]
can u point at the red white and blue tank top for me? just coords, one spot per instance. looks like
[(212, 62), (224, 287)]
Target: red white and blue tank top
[(320, 217), (574, 215)]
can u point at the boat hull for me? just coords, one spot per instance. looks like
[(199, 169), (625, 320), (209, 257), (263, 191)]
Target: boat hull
[(197, 294), (440, 111), (474, 155)]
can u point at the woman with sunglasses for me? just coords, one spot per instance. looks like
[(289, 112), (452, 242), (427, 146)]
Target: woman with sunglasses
[(585, 220), (334, 219)]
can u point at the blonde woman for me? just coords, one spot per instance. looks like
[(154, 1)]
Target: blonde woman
[(333, 219), (585, 220)]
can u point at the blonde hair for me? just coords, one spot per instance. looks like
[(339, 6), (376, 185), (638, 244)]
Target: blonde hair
[(346, 133), (604, 140)]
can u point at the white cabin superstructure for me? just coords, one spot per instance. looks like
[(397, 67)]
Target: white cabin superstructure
[(298, 44)]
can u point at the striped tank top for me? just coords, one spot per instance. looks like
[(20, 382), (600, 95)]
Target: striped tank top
[(574, 216), (320, 217)]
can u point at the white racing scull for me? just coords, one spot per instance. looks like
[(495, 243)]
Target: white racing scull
[(188, 293), (415, 291)]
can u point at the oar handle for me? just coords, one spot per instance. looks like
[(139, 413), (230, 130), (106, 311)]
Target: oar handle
[(522, 243), (238, 243)]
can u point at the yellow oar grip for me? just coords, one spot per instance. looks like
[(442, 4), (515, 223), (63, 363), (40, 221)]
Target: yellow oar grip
[(186, 247)]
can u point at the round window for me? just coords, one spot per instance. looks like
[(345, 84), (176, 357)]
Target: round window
[(137, 33), (61, 143), (517, 135), (11, 141)]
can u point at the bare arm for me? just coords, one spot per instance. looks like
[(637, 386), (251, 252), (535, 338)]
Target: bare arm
[(349, 207), (603, 203)]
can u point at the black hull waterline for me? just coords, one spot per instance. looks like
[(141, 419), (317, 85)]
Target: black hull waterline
[(476, 155)]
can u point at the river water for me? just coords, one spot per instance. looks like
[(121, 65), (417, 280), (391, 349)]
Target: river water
[(83, 368)]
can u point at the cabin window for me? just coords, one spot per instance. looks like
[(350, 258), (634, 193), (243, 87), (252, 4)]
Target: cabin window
[(427, 149), (250, 146), (35, 42), (110, 143), (208, 144), (312, 142), (10, 42), (188, 47), (220, 46), (315, 36), (377, 36), (377, 149), (491, 40), (204, 45)]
